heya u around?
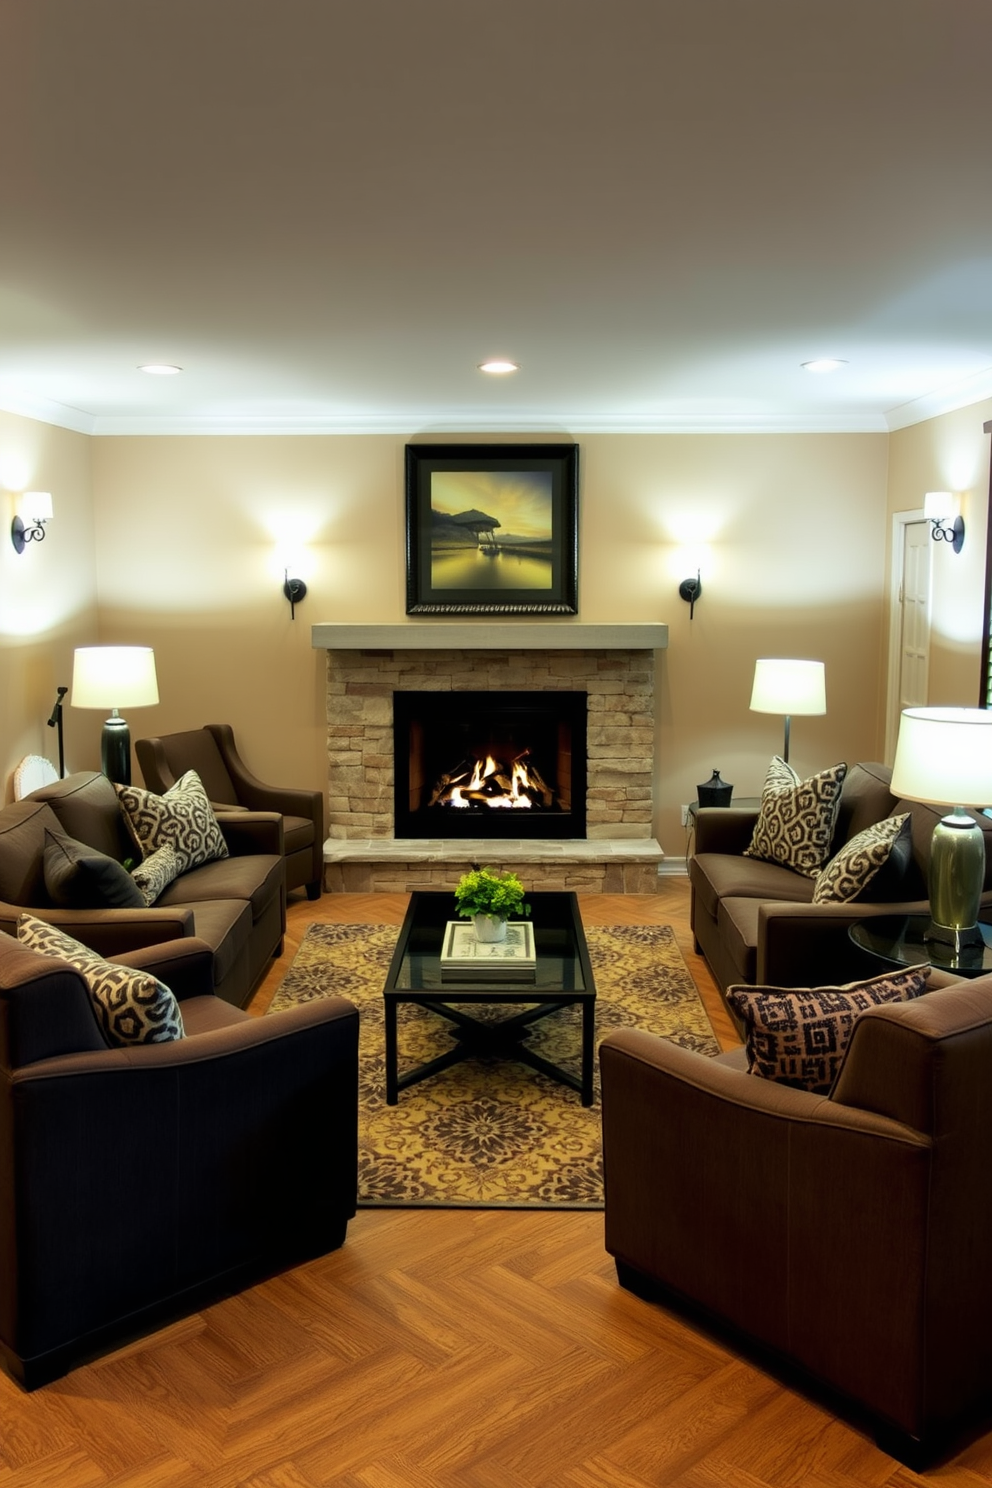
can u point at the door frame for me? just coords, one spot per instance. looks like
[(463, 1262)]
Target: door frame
[(900, 521)]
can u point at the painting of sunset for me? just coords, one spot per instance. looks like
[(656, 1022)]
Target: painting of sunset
[(492, 530)]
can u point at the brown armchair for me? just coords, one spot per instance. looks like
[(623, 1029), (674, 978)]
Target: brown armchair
[(848, 1237), (212, 753), (137, 1183)]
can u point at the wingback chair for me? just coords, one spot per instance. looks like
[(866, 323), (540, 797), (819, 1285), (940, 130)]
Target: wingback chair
[(212, 753), (137, 1182), (848, 1236)]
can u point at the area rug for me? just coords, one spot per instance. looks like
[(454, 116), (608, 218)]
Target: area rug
[(491, 1133)]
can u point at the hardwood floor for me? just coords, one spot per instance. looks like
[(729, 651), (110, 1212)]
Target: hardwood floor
[(443, 1349)]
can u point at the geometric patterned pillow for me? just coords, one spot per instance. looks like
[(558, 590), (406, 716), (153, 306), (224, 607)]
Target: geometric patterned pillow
[(183, 818), (132, 1007), (154, 875), (796, 818), (852, 869), (798, 1035)]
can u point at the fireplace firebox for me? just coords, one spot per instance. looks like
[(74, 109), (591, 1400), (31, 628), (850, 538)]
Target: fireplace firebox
[(490, 764)]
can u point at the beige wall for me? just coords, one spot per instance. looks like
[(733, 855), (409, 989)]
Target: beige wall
[(950, 453), (48, 599), (791, 534)]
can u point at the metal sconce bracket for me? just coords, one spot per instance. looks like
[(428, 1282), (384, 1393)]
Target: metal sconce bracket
[(295, 590), (690, 590), (954, 534)]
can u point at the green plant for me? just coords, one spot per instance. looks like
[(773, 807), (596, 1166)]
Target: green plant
[(486, 891)]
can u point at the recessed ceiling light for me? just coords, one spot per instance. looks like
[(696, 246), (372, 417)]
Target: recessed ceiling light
[(823, 364), (160, 369), (498, 366)]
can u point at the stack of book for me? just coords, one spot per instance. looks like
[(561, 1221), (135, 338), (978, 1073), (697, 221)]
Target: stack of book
[(466, 959)]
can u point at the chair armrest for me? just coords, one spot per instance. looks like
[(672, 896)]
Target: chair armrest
[(248, 832), (108, 931), (255, 793), (724, 829)]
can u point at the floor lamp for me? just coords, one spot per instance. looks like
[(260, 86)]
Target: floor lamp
[(114, 677), (793, 688), (944, 758)]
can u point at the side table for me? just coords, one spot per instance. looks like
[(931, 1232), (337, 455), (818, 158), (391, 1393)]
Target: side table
[(899, 940)]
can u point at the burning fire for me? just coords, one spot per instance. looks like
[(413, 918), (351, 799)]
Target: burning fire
[(507, 785)]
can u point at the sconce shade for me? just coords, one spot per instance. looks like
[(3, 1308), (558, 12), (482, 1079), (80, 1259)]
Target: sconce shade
[(944, 758), (35, 506), (114, 677), (783, 686), (938, 506)]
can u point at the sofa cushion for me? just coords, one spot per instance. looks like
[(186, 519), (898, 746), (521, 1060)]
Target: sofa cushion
[(132, 1007), (155, 873), (257, 878), (86, 806), (796, 817), (851, 872), (78, 877), (798, 1035), (23, 825), (717, 876), (182, 817)]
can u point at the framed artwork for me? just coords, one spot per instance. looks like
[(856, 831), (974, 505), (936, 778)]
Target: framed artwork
[(492, 529)]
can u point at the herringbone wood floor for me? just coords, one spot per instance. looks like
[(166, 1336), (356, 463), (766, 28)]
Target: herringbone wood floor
[(443, 1349)]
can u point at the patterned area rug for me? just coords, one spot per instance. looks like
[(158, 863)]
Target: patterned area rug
[(491, 1133)]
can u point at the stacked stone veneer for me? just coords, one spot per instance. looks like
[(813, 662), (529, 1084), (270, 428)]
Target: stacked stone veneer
[(360, 687)]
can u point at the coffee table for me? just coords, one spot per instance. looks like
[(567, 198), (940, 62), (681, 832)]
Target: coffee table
[(563, 978)]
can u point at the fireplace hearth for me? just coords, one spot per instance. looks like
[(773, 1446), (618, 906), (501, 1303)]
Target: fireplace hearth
[(493, 764)]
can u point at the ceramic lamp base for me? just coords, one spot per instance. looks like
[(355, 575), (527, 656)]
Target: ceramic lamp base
[(957, 874)]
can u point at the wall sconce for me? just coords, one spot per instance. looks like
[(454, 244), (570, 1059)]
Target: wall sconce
[(295, 590), (32, 510), (690, 590), (938, 508)]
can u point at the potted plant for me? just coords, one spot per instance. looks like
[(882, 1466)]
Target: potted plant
[(489, 898)]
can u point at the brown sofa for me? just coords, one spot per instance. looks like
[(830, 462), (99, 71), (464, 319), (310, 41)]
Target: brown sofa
[(844, 1239), (755, 922), (236, 904), (137, 1183)]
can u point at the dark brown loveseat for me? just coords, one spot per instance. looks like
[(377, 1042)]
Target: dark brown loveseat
[(138, 1182), (845, 1236), (755, 922), (236, 904)]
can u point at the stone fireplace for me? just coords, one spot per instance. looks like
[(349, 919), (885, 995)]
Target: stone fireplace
[(613, 665)]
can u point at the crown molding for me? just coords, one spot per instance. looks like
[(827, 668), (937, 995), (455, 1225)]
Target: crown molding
[(949, 399)]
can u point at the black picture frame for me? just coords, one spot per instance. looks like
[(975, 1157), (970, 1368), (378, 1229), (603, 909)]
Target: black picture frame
[(492, 529)]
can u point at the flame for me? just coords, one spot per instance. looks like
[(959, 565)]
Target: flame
[(487, 785)]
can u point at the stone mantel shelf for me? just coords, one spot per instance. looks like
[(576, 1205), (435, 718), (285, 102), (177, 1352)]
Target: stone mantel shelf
[(545, 635)]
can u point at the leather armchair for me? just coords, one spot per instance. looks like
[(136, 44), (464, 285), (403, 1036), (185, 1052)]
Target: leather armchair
[(137, 1183), (845, 1239), (212, 753)]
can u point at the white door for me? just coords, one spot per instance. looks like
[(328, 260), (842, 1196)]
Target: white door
[(914, 650), (909, 631)]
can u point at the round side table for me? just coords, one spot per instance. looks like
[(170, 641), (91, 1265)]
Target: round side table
[(898, 940)]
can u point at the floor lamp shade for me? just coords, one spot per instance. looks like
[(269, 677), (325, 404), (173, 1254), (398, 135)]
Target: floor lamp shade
[(789, 687), (944, 758), (114, 677)]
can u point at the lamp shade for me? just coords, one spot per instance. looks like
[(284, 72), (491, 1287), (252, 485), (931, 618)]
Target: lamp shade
[(114, 677), (35, 506), (785, 686), (944, 756)]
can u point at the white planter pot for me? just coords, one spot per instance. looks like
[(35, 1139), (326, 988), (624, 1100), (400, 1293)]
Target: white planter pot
[(488, 928)]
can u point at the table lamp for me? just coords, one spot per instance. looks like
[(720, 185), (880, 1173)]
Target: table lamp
[(789, 687), (114, 677), (944, 758)]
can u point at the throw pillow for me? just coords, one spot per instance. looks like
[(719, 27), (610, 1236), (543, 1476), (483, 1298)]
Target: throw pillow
[(798, 1035), (183, 818), (132, 1007), (851, 870), (796, 820), (153, 876), (79, 877)]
